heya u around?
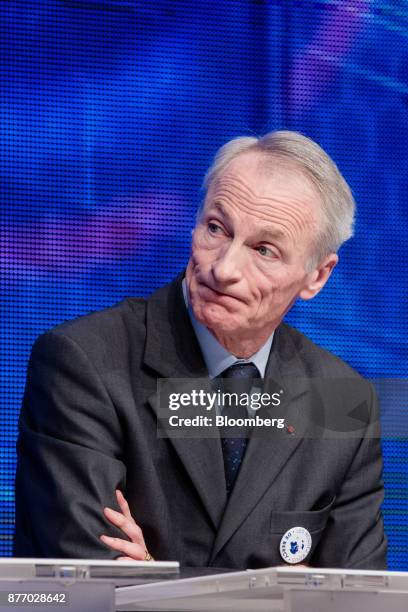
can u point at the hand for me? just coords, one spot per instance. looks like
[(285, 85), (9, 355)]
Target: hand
[(136, 548)]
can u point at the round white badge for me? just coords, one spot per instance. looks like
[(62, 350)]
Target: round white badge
[(295, 545)]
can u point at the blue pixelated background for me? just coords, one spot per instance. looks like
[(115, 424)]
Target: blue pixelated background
[(111, 112)]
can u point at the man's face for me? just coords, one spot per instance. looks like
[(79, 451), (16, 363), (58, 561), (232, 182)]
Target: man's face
[(251, 246)]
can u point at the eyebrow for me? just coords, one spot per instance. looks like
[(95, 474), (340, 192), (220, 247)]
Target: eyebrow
[(272, 232), (221, 209), (267, 231)]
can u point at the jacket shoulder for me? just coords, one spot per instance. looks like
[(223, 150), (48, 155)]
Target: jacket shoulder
[(113, 327)]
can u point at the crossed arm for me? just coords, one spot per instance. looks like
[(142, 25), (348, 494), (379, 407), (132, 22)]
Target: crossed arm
[(70, 460)]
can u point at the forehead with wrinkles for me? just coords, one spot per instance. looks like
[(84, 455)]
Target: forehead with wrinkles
[(259, 188)]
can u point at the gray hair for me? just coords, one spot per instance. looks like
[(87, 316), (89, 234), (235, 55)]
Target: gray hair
[(338, 204)]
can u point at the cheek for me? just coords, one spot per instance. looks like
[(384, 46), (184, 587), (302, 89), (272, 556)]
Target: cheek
[(201, 239), (275, 287), (203, 250)]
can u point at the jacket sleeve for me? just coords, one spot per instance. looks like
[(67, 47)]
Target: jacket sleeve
[(354, 537), (69, 455)]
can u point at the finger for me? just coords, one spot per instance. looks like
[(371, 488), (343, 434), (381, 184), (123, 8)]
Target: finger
[(129, 527), (124, 559), (123, 505), (130, 549)]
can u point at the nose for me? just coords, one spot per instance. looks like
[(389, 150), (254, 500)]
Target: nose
[(227, 267)]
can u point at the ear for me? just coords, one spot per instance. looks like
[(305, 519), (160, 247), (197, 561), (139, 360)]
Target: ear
[(317, 279)]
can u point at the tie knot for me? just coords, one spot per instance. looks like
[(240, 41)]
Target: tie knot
[(238, 378), (241, 370)]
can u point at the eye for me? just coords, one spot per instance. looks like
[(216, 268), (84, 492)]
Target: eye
[(213, 228), (265, 252)]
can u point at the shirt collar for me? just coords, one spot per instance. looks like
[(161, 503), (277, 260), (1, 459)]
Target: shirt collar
[(216, 357)]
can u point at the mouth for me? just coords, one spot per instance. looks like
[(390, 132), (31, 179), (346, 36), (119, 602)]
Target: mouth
[(218, 294)]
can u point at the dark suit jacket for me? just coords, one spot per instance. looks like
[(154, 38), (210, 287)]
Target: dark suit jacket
[(88, 426)]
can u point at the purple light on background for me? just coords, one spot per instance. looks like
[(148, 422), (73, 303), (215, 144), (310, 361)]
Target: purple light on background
[(119, 229), (317, 65)]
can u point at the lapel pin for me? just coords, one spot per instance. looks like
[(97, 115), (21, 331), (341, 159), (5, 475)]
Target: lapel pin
[(290, 429), (295, 545)]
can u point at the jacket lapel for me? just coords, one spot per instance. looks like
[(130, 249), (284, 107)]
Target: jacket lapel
[(266, 456), (172, 350)]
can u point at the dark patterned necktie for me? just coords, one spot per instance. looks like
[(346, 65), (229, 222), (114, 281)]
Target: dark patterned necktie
[(236, 379)]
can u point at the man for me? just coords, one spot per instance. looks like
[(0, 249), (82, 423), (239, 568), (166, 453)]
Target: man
[(95, 480)]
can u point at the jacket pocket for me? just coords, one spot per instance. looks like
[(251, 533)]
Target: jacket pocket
[(312, 520)]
